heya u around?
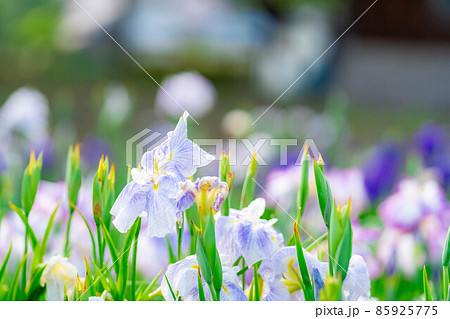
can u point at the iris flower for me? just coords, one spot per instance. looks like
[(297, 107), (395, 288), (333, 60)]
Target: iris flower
[(155, 183), (281, 274), (211, 187), (282, 279), (244, 233), (58, 273), (183, 279)]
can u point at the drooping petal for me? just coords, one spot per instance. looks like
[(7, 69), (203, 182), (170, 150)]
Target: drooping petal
[(183, 279), (129, 205), (226, 245), (162, 214), (169, 183), (243, 233), (256, 243), (275, 291), (231, 290), (356, 284)]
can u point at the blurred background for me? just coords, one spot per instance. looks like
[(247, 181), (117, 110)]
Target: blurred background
[(225, 61), (376, 104)]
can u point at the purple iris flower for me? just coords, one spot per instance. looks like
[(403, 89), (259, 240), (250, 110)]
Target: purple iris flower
[(382, 169)]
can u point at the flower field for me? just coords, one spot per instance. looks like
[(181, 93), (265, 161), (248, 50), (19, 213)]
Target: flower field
[(220, 150)]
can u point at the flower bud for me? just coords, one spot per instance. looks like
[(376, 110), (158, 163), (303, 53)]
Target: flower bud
[(30, 181), (73, 175)]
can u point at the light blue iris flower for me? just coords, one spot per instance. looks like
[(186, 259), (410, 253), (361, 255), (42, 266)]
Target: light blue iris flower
[(183, 279), (156, 183), (282, 277), (356, 286), (282, 280), (244, 233)]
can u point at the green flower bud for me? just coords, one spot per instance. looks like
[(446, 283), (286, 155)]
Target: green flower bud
[(30, 182), (73, 175)]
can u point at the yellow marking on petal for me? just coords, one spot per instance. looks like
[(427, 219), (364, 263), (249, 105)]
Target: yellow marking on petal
[(195, 267), (225, 289), (155, 186), (291, 279)]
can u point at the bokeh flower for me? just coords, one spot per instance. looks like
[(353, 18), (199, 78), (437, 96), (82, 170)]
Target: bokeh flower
[(190, 89)]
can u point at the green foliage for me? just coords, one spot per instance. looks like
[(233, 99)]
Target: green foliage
[(306, 280), (248, 189)]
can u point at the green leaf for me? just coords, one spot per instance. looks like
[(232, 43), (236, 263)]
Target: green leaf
[(142, 295), (94, 249), (446, 250), (302, 194), (201, 291), (134, 259), (13, 293), (43, 245), (106, 280), (23, 217), (256, 291), (209, 241), (203, 263), (5, 262), (217, 275), (426, 286), (316, 242), (225, 175), (445, 283), (124, 261), (308, 289), (112, 248), (248, 188), (344, 251), (35, 289), (170, 288), (323, 193), (172, 258)]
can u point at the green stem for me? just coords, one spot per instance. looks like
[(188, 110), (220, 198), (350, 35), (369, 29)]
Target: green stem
[(25, 251), (133, 268), (445, 282), (100, 249), (66, 245), (255, 279), (214, 295), (180, 237)]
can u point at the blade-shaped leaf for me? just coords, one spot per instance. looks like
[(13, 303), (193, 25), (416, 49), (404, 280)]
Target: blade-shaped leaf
[(23, 217), (112, 248), (5, 262), (308, 289), (426, 286)]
